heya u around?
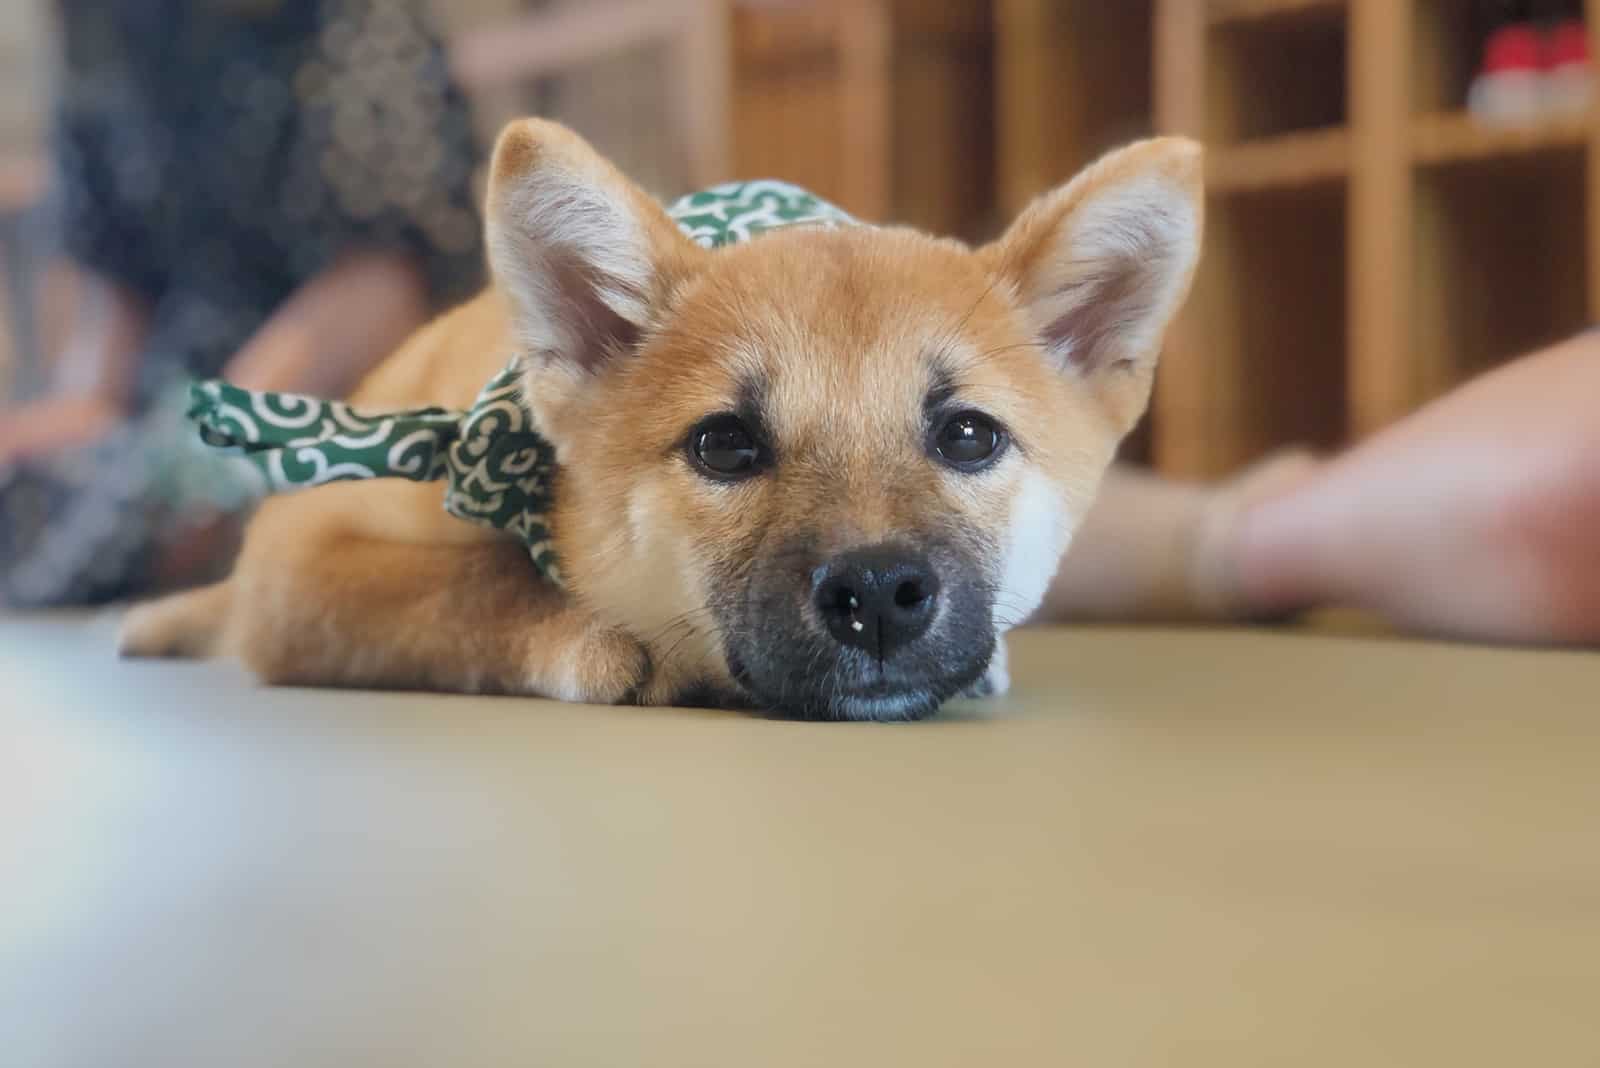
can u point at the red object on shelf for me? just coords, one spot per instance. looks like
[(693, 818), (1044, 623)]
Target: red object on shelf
[(1510, 86), (1567, 45), (1513, 48)]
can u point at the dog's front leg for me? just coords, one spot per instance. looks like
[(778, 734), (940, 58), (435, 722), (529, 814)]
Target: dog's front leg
[(351, 611)]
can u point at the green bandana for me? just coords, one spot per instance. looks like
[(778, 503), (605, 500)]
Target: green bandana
[(496, 466)]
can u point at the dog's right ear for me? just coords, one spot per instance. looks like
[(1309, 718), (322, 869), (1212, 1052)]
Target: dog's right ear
[(586, 258)]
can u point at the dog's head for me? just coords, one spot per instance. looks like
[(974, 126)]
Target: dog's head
[(822, 471)]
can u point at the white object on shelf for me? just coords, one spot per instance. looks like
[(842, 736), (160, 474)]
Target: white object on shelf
[(1510, 86)]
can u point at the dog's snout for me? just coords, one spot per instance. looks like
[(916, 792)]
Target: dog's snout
[(877, 599)]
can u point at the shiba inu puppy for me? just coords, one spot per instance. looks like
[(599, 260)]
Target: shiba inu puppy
[(818, 473)]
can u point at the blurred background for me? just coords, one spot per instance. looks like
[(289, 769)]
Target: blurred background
[(1400, 189)]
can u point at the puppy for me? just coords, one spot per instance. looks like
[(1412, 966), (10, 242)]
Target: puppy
[(819, 473)]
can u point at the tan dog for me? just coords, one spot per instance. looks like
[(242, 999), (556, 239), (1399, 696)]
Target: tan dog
[(818, 473)]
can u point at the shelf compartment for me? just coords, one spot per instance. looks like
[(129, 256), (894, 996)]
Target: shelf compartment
[(1501, 267), (1260, 355), (1268, 77), (1288, 161), (1447, 44), (1074, 80)]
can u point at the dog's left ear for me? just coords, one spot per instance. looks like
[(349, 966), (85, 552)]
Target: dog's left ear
[(586, 258), (1101, 265)]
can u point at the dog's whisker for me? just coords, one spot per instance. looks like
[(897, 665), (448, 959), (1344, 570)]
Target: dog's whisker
[(989, 353), (666, 657), (954, 336), (679, 620)]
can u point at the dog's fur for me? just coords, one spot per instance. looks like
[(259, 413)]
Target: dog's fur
[(840, 345)]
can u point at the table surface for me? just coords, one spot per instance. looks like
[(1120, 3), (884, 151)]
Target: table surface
[(1164, 848)]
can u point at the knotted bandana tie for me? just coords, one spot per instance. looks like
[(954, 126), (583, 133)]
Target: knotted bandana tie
[(497, 468)]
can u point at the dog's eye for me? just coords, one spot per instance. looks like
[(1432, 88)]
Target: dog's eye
[(723, 446), (968, 441)]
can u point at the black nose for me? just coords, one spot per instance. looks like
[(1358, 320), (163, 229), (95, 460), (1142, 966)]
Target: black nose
[(877, 599)]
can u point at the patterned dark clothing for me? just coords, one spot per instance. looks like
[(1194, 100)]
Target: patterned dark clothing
[(213, 156)]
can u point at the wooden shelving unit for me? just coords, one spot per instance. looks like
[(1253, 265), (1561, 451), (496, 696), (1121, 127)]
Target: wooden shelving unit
[(1369, 244)]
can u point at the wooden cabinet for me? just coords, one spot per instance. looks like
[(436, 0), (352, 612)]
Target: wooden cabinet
[(1369, 244)]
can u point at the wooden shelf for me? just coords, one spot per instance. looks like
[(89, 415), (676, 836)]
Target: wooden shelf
[(1459, 138), (1287, 161), (1222, 12)]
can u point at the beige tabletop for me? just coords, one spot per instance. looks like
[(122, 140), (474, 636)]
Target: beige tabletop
[(1165, 848)]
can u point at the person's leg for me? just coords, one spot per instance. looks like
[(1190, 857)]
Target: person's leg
[(1145, 551), (1475, 517), (336, 327)]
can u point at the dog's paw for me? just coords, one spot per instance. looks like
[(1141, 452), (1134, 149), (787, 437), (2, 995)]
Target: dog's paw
[(185, 624), (603, 666), (995, 681), (140, 636), (161, 630)]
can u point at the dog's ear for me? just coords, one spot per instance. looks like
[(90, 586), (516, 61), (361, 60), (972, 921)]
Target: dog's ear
[(586, 258), (1101, 265)]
